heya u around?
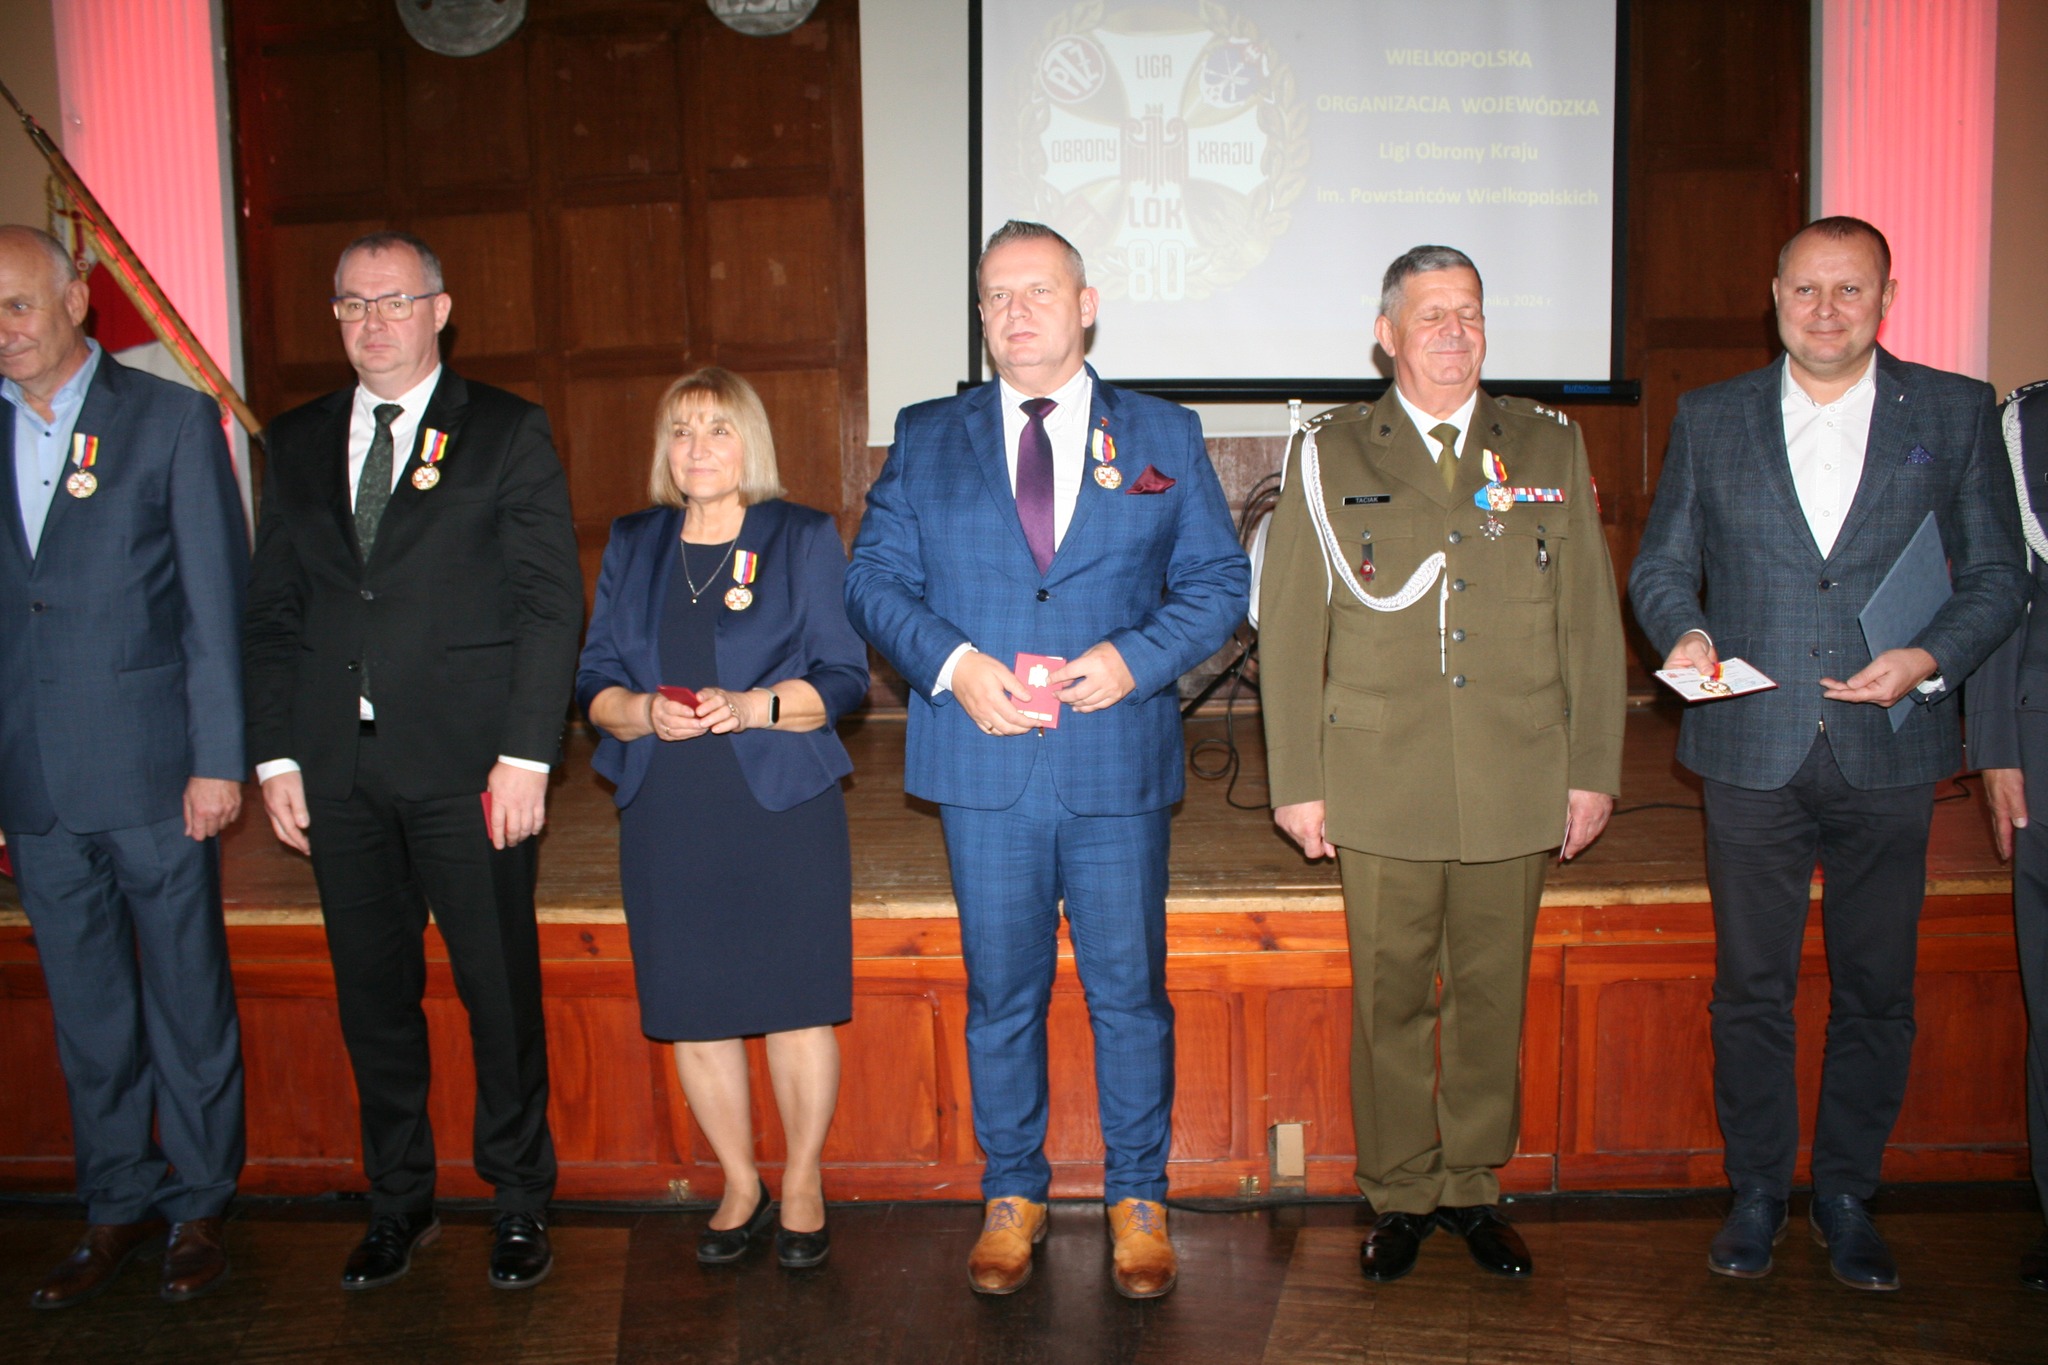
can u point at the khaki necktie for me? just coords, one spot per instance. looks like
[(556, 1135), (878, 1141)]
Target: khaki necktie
[(1446, 436)]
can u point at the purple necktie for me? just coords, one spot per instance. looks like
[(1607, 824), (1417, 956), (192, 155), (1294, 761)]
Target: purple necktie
[(1034, 481)]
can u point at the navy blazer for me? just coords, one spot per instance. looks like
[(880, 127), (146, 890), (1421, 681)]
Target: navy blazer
[(941, 560), (122, 670), (1727, 550), (796, 628)]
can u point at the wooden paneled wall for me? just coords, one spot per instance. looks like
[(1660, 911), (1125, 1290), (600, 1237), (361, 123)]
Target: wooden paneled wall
[(1616, 1062), (620, 193)]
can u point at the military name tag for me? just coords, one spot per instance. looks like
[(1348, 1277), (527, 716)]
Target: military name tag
[(1367, 499)]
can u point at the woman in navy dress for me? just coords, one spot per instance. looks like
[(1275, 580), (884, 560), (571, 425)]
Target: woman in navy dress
[(732, 831)]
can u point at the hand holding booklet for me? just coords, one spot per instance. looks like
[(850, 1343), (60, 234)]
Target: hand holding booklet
[(1042, 702), (1731, 678)]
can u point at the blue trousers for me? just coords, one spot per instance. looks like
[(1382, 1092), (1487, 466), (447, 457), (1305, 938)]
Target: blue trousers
[(128, 926), (1011, 869)]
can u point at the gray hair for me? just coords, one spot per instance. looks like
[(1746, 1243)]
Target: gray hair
[(1018, 230), (1419, 260), (378, 242), (60, 260)]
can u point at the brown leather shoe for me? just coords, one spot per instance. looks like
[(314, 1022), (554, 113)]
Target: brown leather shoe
[(195, 1262), (1001, 1260), (100, 1254), (1146, 1265)]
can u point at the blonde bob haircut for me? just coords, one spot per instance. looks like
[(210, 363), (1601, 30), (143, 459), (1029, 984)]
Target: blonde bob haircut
[(726, 395)]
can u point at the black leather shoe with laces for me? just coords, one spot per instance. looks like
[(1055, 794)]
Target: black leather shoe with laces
[(520, 1255), (385, 1253)]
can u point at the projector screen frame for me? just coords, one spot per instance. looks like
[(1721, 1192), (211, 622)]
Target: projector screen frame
[(1616, 388)]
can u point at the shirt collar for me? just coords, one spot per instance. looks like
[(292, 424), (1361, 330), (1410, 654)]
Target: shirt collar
[(1069, 395), (1461, 419), (70, 393), (413, 400), (1788, 387)]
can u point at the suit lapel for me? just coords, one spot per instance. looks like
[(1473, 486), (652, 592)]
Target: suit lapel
[(10, 498), (1890, 422), (332, 444), (97, 416), (668, 529), (1399, 450), (1102, 414), (1765, 416), (984, 420)]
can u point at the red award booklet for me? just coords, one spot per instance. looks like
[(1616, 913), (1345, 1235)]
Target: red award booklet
[(1042, 702), (682, 695)]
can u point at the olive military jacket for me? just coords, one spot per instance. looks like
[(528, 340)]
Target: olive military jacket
[(1460, 744)]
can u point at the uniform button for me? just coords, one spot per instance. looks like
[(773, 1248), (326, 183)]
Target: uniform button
[(1813, 653), (35, 606), (1458, 681), (369, 596), (1458, 585), (351, 665), (1044, 596), (1825, 585), (1457, 537), (1458, 636)]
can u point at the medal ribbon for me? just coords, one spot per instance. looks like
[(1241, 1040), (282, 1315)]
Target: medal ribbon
[(1101, 446), (85, 450), (744, 565), (433, 446)]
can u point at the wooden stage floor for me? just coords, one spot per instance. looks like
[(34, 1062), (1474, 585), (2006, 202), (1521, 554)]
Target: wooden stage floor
[(1224, 858), (1619, 1281)]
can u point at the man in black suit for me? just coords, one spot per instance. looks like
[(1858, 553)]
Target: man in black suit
[(1787, 494), (410, 644), (123, 556), (2008, 721)]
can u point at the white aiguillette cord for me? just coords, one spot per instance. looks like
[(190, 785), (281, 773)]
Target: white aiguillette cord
[(2037, 541), (1429, 572)]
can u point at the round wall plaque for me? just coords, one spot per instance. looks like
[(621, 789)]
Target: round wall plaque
[(461, 28), (762, 18)]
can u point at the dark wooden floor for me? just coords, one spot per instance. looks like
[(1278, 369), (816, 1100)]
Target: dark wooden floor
[(1618, 1280)]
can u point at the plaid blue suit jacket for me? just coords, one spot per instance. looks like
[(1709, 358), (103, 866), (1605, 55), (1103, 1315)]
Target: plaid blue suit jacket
[(941, 560), (1727, 550)]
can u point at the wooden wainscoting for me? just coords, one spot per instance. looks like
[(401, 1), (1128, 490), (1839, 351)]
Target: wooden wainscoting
[(1616, 1061)]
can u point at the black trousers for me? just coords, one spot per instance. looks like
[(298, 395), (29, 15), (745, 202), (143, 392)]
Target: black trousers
[(2030, 934), (1761, 848), (381, 861)]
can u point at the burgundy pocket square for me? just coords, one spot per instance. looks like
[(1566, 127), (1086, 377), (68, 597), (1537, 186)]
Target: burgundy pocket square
[(1151, 481)]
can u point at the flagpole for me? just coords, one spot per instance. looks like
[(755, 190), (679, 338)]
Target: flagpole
[(134, 278)]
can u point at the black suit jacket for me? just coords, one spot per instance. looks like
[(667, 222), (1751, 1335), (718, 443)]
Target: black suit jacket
[(466, 614), (2014, 679)]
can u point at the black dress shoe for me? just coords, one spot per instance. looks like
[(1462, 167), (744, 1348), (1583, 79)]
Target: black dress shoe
[(721, 1246), (1491, 1239), (802, 1250), (1390, 1248), (385, 1253), (1755, 1224), (1857, 1254), (520, 1255), (2034, 1265)]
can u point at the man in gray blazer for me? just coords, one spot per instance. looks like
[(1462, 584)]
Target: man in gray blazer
[(123, 556), (1786, 496), (2007, 705)]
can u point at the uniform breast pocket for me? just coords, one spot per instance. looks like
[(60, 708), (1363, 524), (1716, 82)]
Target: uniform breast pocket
[(1379, 543), (1530, 555)]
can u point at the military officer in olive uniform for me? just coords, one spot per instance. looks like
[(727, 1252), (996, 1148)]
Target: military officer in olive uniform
[(1441, 670)]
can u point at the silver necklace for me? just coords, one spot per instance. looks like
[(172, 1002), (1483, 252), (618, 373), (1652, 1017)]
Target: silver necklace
[(695, 591)]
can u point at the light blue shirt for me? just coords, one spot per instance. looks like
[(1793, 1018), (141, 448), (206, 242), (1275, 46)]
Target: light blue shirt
[(41, 449)]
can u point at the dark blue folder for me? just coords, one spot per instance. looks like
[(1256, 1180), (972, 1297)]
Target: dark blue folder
[(1913, 590)]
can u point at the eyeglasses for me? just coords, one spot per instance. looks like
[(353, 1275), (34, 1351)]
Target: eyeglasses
[(390, 307)]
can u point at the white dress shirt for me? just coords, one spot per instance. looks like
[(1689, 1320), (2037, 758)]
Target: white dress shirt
[(1461, 419), (1825, 442), (362, 429), (1066, 427)]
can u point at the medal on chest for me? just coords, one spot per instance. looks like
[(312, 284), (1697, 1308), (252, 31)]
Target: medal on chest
[(433, 447), (744, 565), (85, 453), (1102, 451)]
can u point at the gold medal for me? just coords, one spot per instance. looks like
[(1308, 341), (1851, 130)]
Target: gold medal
[(81, 484), (426, 476), (1106, 475), (739, 599)]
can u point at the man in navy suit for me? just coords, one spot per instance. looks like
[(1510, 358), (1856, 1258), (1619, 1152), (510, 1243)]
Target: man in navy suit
[(1787, 494), (2007, 704), (1050, 513), (120, 761)]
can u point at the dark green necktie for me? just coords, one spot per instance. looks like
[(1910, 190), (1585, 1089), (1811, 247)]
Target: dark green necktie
[(1447, 436), (373, 489)]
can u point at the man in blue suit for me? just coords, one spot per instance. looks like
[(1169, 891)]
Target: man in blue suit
[(1050, 513), (1787, 494), (122, 574)]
